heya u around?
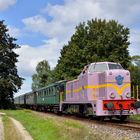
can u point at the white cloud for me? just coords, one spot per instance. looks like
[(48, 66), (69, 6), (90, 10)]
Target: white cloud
[(135, 36), (5, 4), (135, 42), (65, 17), (29, 56), (14, 32)]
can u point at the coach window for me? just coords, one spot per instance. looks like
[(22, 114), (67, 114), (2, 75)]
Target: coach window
[(48, 91), (45, 92), (51, 90)]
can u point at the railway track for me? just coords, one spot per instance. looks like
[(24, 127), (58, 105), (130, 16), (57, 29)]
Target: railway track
[(130, 126), (126, 125)]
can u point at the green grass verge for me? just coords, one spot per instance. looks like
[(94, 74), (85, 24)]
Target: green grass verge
[(135, 118), (42, 127)]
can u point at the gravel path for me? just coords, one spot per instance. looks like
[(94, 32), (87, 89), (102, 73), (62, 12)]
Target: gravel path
[(116, 132), (1, 129), (24, 134)]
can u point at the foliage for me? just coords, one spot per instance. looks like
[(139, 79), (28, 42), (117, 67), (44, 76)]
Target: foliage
[(96, 40), (136, 60), (135, 118), (135, 70), (43, 76), (10, 82)]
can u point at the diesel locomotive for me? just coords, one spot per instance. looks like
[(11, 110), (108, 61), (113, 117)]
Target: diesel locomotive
[(103, 89)]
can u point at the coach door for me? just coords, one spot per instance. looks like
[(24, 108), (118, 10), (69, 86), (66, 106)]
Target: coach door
[(62, 92)]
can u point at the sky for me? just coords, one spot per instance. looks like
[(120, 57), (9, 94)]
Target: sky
[(42, 27)]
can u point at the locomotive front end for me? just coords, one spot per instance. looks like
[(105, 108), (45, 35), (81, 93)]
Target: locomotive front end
[(118, 88), (115, 85)]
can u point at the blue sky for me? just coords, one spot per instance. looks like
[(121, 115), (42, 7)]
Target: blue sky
[(42, 27)]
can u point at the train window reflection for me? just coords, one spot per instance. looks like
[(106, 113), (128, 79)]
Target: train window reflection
[(98, 68), (115, 66)]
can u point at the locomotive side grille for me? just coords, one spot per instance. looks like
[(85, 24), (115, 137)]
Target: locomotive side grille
[(102, 91)]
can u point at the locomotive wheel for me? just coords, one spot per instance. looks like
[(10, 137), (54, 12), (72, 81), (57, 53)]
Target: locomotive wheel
[(110, 118), (123, 118), (101, 118)]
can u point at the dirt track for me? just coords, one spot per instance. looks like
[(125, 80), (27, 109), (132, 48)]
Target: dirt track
[(22, 131), (23, 134), (1, 130)]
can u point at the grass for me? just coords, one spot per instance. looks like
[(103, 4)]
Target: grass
[(9, 130), (135, 118), (42, 127)]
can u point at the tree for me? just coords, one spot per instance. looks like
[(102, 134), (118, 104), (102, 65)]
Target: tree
[(96, 40), (135, 70), (10, 82), (43, 76), (136, 60)]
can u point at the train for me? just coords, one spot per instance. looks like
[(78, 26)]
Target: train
[(103, 89)]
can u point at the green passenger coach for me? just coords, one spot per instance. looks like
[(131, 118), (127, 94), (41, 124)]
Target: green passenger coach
[(46, 98)]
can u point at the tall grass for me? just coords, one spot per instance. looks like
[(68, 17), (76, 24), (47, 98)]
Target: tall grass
[(55, 128)]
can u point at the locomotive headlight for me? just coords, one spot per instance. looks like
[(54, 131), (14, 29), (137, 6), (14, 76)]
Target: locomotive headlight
[(128, 95), (112, 95)]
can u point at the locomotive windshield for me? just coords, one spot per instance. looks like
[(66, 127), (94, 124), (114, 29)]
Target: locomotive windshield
[(98, 67), (114, 66), (101, 67)]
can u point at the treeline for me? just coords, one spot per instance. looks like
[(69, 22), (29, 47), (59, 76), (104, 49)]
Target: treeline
[(93, 41), (10, 81)]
